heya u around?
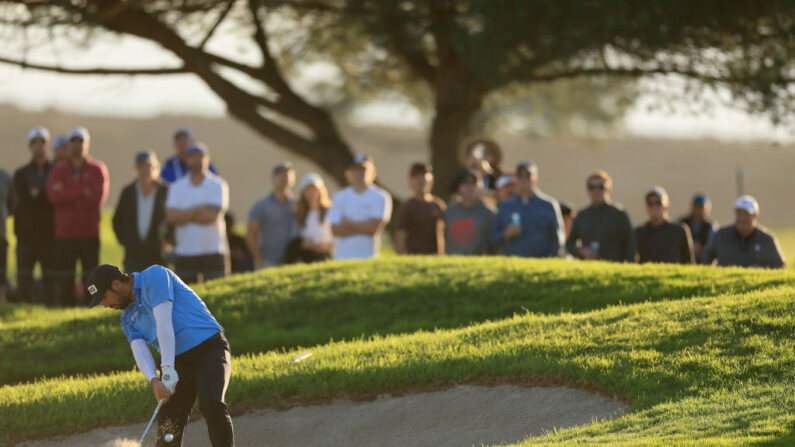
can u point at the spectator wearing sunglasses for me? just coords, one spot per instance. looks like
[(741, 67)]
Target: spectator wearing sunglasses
[(602, 230), (660, 240)]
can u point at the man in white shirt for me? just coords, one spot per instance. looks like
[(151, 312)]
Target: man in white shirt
[(359, 212), (195, 206)]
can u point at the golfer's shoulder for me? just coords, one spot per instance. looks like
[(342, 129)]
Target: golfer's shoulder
[(155, 273)]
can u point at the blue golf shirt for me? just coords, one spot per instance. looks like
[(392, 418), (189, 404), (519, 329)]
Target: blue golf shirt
[(541, 222), (193, 323)]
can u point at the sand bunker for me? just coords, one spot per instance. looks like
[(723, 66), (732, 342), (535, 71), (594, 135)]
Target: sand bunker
[(461, 416)]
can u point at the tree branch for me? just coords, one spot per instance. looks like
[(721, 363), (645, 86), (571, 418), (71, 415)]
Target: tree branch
[(221, 18), (638, 72), (96, 71)]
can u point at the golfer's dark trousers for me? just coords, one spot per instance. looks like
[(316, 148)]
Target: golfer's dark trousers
[(204, 373)]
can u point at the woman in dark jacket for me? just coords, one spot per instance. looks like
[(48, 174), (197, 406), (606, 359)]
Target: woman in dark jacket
[(139, 220)]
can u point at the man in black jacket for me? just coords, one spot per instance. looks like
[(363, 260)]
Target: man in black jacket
[(33, 220), (602, 230), (139, 219), (659, 239)]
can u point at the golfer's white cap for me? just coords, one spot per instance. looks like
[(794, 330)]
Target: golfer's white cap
[(747, 203), (80, 132), (39, 132), (311, 179), (504, 180)]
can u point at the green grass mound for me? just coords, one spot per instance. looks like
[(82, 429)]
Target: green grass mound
[(707, 371), (308, 305), (711, 370)]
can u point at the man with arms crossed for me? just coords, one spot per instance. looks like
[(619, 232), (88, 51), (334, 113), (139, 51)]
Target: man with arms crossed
[(195, 360), (195, 205), (359, 213)]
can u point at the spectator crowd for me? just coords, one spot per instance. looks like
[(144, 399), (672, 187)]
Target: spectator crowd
[(177, 213)]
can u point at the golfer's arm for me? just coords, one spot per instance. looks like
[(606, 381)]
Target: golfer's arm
[(143, 358), (165, 332)]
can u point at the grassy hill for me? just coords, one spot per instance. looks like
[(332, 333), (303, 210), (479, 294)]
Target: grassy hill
[(704, 355)]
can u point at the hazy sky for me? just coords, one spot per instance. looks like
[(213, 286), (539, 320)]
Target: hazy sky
[(184, 94)]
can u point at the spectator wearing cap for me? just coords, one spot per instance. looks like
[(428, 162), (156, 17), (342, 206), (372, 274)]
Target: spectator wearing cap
[(483, 155), (196, 205), (528, 224), (77, 190), (660, 240), (702, 226), (420, 220), (506, 187), (468, 220), (33, 220), (176, 167), (315, 240), (360, 212), (568, 214), (139, 220), (271, 221), (746, 243), (603, 229), (61, 149)]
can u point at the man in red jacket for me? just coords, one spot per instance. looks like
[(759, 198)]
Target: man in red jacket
[(77, 189)]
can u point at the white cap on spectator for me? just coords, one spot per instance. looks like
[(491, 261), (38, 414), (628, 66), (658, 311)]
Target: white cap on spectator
[(504, 180), (81, 132), (311, 179), (39, 132), (747, 203), (660, 192)]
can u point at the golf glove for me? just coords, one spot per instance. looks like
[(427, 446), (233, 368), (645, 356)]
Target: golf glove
[(169, 377)]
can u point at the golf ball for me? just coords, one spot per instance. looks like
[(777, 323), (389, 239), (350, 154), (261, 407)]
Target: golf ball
[(169, 437)]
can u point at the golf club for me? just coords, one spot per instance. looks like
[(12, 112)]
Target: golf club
[(159, 404)]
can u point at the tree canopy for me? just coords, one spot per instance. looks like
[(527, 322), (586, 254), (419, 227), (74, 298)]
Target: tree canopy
[(447, 56)]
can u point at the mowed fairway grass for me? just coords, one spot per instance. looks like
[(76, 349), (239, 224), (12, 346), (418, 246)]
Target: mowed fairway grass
[(705, 356)]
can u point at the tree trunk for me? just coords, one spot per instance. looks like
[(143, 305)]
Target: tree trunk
[(457, 101)]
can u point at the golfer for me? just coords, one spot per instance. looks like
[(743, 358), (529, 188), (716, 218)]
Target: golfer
[(159, 309)]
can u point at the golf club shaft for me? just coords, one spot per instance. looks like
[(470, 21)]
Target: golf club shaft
[(159, 404)]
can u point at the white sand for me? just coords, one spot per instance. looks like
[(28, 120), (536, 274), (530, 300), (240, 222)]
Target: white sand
[(460, 416)]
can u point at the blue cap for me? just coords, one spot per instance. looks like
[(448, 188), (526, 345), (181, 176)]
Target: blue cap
[(528, 166), (197, 148), (183, 131), (283, 166), (700, 199), (359, 159), (60, 140), (146, 156)]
